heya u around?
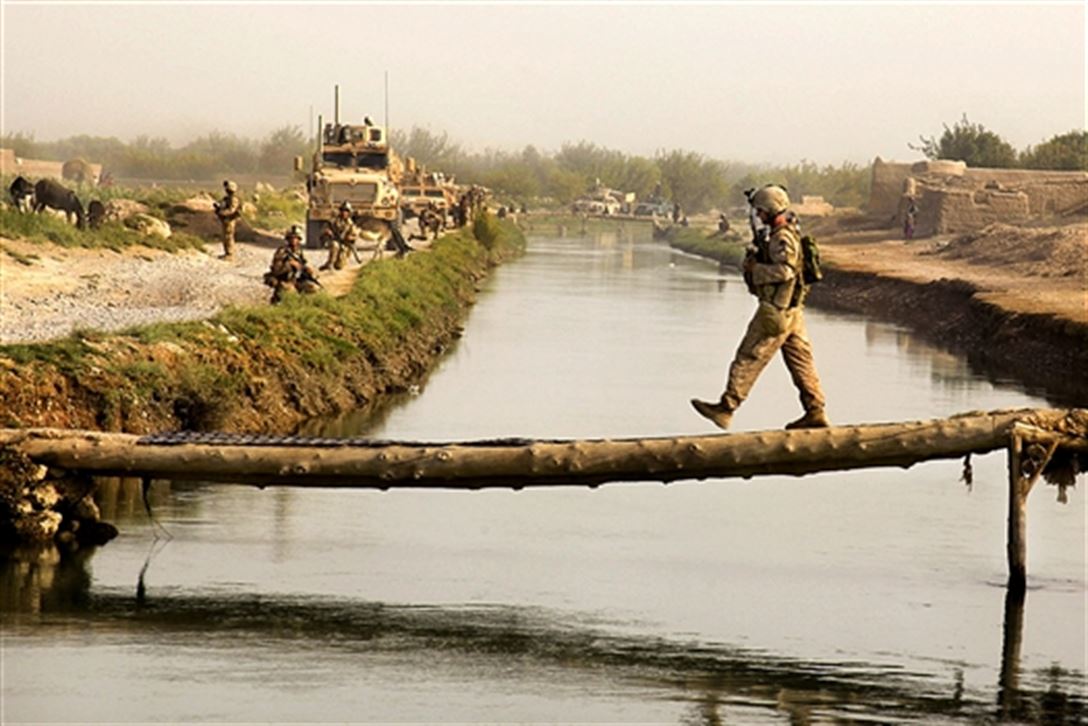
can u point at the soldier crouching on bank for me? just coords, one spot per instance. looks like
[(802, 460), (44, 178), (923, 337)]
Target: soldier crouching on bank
[(774, 273), (290, 269)]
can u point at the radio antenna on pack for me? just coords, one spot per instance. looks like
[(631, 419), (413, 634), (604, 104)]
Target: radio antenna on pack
[(387, 104)]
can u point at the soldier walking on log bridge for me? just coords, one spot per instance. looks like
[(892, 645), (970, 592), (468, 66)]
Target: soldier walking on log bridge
[(774, 272)]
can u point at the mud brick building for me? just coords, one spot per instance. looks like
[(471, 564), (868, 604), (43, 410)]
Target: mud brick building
[(951, 197)]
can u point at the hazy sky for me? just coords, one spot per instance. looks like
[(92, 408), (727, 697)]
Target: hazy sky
[(753, 82)]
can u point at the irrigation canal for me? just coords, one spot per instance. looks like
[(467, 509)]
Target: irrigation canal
[(871, 594)]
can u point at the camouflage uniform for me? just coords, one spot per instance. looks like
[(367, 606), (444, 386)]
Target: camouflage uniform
[(289, 268), (431, 220), (228, 210), (779, 323), (342, 234), (774, 276)]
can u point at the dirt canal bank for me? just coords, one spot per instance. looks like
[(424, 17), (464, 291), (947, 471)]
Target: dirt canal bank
[(259, 367)]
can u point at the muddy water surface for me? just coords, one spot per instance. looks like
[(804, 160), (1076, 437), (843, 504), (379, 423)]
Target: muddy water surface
[(871, 595)]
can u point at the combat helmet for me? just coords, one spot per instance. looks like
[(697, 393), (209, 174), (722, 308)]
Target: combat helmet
[(230, 186), (772, 199), (345, 206), (294, 230)]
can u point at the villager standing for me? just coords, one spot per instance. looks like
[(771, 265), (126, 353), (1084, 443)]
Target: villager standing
[(908, 219), (289, 267), (774, 273), (228, 210)]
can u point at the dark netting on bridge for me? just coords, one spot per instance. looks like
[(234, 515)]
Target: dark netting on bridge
[(217, 438)]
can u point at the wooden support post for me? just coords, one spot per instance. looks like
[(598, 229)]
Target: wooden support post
[(1008, 684), (1016, 543)]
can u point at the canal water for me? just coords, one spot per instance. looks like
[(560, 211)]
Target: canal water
[(873, 595)]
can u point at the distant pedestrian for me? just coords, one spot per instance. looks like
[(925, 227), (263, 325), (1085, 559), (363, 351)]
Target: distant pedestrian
[(228, 210), (909, 218)]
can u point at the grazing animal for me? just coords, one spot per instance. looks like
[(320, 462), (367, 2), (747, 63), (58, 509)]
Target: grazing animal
[(53, 194), (22, 194), (96, 214)]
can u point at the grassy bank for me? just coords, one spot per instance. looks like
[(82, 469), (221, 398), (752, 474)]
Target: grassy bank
[(267, 209), (42, 228), (262, 368), (729, 251)]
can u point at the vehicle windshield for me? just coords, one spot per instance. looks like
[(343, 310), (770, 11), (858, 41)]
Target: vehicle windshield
[(348, 160)]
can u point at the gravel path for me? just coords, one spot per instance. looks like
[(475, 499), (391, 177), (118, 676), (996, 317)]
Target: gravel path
[(66, 289), (57, 290)]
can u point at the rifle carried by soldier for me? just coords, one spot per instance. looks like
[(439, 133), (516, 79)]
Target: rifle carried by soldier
[(754, 249), (289, 267)]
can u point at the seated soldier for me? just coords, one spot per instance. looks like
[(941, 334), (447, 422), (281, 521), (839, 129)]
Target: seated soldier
[(289, 267), (340, 236), (430, 220)]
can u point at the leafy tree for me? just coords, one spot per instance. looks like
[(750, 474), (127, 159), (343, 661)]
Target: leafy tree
[(971, 143), (235, 153), (434, 151), (1067, 152), (281, 147), (22, 144), (690, 179)]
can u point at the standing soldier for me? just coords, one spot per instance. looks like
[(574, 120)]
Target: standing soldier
[(464, 209), (774, 274), (340, 236), (430, 220), (289, 267), (228, 209)]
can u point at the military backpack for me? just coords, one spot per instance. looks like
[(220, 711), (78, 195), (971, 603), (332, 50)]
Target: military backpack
[(810, 260)]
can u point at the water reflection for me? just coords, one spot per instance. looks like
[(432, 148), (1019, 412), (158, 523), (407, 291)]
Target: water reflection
[(710, 603), (709, 680)]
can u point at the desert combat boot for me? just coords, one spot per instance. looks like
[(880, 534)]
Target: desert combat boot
[(813, 419), (718, 413)]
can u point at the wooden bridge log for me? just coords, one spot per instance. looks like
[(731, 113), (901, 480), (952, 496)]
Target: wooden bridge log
[(519, 463)]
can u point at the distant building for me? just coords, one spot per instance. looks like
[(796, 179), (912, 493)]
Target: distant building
[(35, 169), (951, 197)]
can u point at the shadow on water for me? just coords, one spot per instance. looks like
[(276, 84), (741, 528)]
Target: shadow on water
[(706, 678)]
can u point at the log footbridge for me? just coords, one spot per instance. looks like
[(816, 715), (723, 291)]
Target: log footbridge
[(1037, 440)]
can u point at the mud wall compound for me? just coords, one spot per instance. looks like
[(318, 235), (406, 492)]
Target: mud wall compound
[(951, 197), (34, 169)]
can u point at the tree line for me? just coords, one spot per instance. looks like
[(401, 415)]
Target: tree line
[(536, 177), (147, 157), (976, 145), (693, 180)]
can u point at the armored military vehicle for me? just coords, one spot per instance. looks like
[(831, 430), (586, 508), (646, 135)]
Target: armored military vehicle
[(419, 188), (353, 163)]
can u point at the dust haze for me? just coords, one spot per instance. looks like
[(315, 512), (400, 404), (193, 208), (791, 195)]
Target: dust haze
[(770, 83)]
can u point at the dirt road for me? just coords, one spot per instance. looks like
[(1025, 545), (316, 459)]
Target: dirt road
[(1034, 270), (48, 291)]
